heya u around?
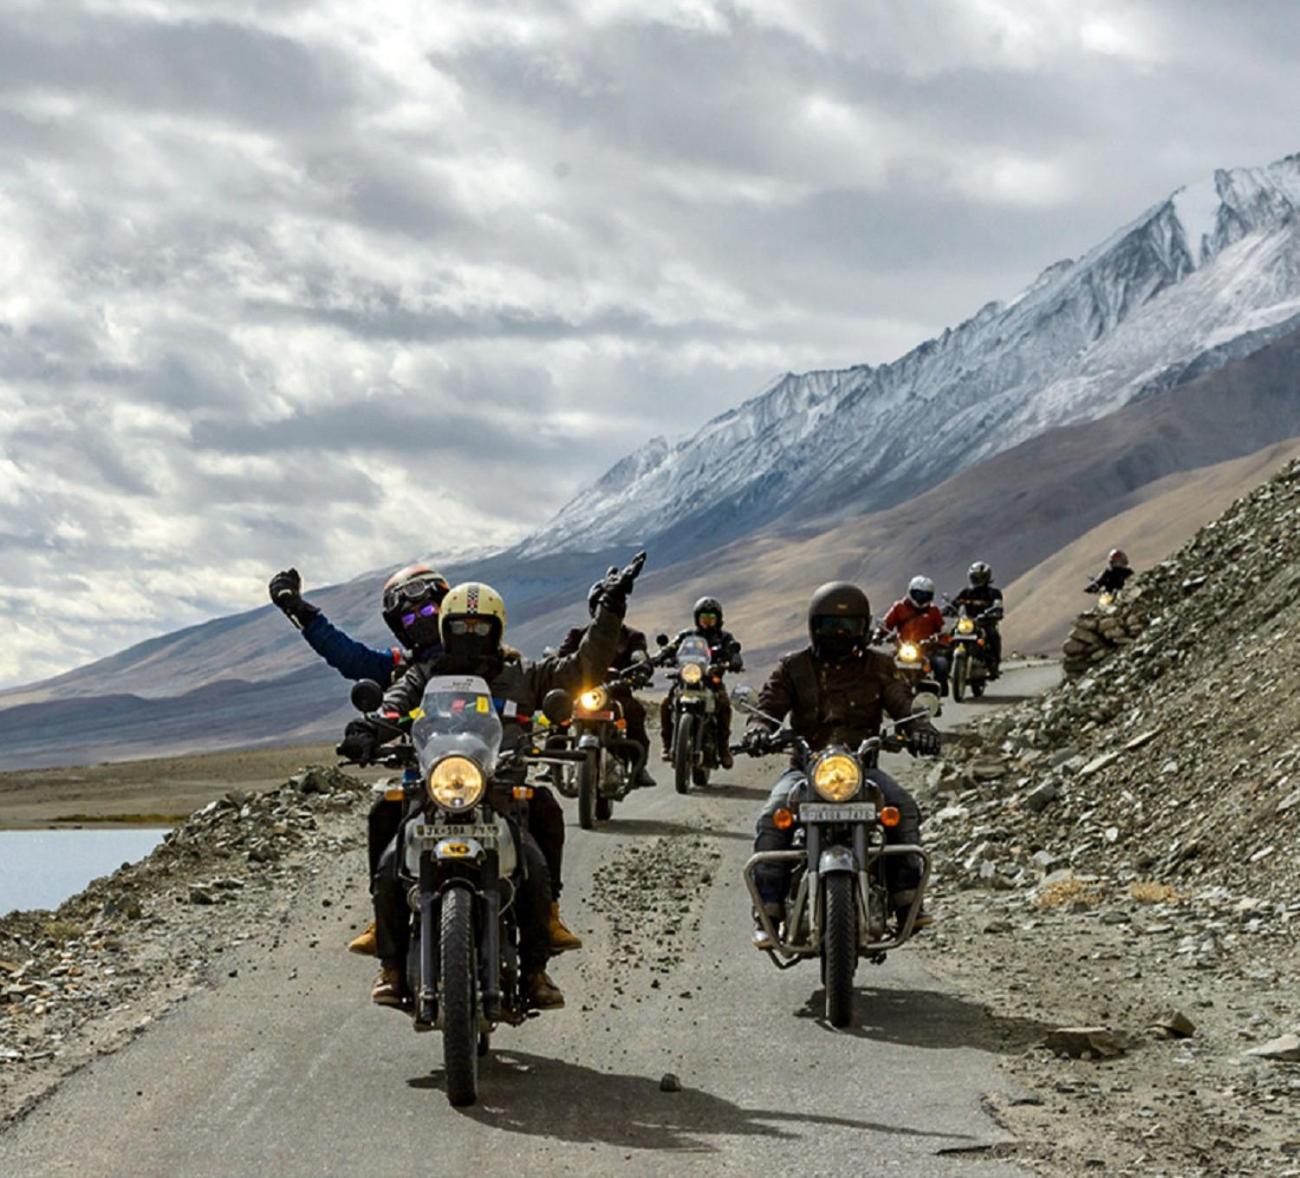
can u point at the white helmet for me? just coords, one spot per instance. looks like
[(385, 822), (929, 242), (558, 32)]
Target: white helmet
[(920, 591)]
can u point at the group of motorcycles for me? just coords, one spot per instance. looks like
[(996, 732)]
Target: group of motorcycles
[(957, 659), (463, 861)]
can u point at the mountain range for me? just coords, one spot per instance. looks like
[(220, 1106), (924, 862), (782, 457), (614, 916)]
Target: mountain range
[(1171, 348)]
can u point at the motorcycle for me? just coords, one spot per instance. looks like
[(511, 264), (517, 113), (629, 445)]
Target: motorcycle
[(837, 904), (461, 861), (697, 680), (923, 664), (969, 668), (609, 762)]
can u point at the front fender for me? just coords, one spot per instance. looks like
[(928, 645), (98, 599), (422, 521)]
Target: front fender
[(837, 859)]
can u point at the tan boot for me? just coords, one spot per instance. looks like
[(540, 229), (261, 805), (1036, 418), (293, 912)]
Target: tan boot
[(562, 938), (364, 943), (387, 990), (542, 992)]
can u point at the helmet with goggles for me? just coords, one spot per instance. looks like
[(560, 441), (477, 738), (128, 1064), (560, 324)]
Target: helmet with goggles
[(412, 597)]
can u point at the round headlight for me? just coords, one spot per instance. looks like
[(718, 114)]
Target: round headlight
[(692, 673), (909, 652), (837, 777), (1106, 599), (456, 783), (594, 699), (965, 626)]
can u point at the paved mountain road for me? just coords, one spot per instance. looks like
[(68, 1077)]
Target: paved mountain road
[(283, 1067)]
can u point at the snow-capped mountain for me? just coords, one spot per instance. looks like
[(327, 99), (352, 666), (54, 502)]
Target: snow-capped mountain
[(1208, 275)]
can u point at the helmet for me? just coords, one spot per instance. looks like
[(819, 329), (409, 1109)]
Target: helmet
[(1119, 558), (708, 605), (472, 622), (838, 617), (920, 591), (411, 600), (980, 573)]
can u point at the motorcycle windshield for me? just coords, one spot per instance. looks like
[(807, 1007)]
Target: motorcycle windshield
[(457, 717), (693, 649)]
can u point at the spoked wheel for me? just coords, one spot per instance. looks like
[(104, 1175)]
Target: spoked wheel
[(460, 1030), (684, 753), (589, 790), (840, 948)]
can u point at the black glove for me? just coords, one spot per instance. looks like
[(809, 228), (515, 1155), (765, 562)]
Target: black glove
[(360, 741), (286, 594), (737, 663), (618, 584), (923, 740), (757, 741)]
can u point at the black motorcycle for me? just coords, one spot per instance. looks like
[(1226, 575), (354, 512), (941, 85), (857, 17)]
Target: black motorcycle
[(968, 641), (696, 686), (462, 864)]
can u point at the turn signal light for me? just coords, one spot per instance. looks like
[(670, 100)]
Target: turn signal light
[(522, 792), (395, 794), (890, 816), (783, 819)]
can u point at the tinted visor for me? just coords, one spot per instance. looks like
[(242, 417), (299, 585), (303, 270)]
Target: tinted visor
[(828, 626), (707, 620), (427, 610), (921, 596)]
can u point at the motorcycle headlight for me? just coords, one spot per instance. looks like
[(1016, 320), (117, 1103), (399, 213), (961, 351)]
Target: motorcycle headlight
[(456, 783), (837, 777), (909, 652), (692, 673), (594, 699), (965, 626), (1106, 599)]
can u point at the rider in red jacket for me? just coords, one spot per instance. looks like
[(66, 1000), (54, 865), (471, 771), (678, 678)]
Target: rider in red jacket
[(915, 618)]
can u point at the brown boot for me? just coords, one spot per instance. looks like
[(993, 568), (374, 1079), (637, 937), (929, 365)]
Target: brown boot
[(542, 992), (387, 990), (562, 938), (364, 943)]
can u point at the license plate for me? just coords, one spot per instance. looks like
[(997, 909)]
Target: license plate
[(486, 835), (849, 812)]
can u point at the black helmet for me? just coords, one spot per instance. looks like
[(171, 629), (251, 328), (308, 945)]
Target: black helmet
[(980, 573), (412, 598), (839, 616), (708, 605)]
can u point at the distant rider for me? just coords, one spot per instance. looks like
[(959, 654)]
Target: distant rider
[(837, 691), (979, 595), (915, 618), (410, 603), (629, 642), (724, 651), (472, 625), (1114, 577)]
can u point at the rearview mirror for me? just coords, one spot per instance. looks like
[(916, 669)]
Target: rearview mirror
[(640, 656), (557, 707), (367, 695), (744, 697), (661, 639), (927, 699)]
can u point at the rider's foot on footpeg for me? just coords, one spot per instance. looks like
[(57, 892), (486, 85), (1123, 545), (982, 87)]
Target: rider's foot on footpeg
[(387, 990), (542, 992)]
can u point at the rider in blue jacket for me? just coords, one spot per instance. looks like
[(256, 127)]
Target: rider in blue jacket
[(411, 599)]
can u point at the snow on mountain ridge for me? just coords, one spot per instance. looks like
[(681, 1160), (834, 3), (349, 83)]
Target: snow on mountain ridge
[(1215, 260)]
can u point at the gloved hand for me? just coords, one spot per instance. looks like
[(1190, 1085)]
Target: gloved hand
[(923, 740), (618, 584), (737, 662), (757, 741), (360, 741), (286, 594)]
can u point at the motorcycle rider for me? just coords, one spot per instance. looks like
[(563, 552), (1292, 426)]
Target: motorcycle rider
[(410, 603), (629, 642), (836, 690), (472, 624), (1115, 575), (981, 594), (915, 618), (724, 651)]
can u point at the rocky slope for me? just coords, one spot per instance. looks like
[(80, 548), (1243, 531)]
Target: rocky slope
[(1124, 854), (1206, 276)]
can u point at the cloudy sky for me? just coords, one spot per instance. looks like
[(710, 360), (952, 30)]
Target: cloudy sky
[(328, 283)]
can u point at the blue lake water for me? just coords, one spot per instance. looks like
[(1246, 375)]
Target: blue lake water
[(42, 868)]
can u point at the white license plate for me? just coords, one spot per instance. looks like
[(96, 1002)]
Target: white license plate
[(849, 812), (486, 835)]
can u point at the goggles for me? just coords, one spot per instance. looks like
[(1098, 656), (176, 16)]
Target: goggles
[(428, 610), (707, 620), (416, 590), (478, 627)]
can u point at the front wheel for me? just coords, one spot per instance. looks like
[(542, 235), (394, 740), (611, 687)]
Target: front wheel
[(684, 752), (957, 678), (588, 789), (460, 1031), (840, 948)]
